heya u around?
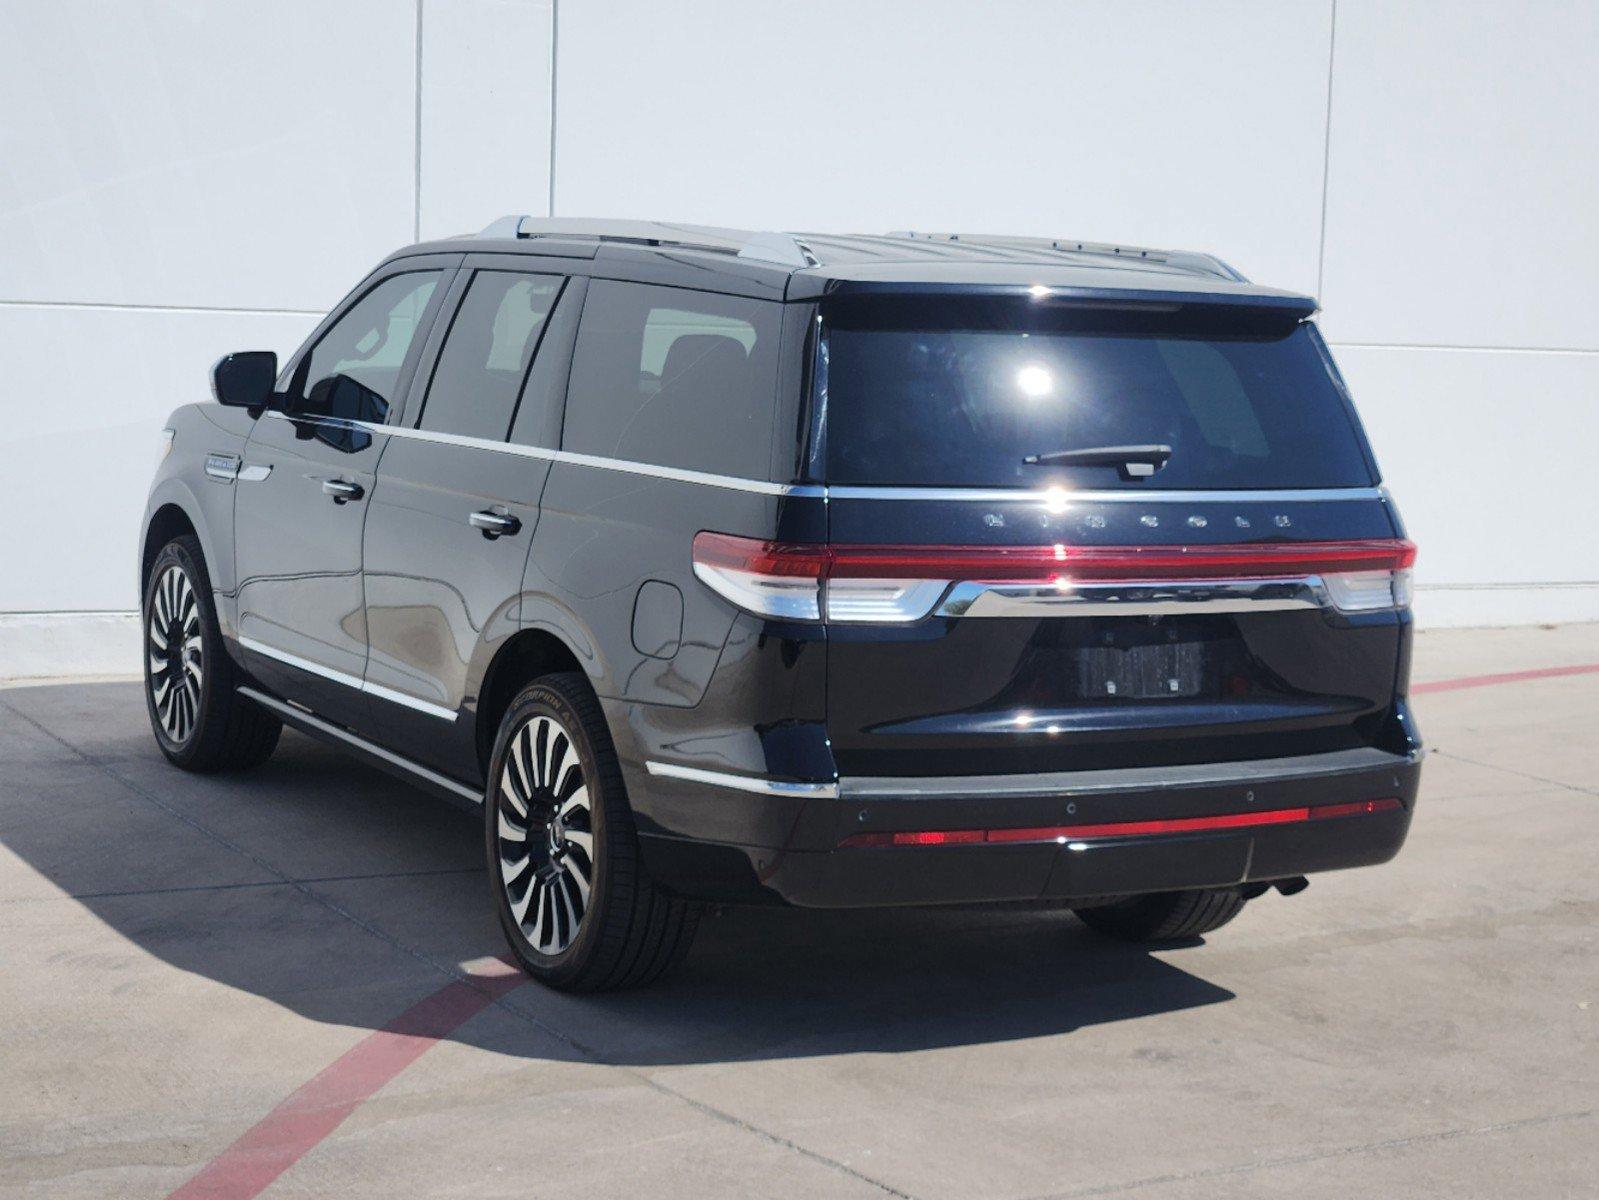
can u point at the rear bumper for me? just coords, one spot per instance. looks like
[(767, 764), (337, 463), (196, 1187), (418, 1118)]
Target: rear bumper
[(794, 847)]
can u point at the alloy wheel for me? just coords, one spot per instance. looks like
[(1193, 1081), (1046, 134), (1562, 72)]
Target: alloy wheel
[(545, 834), (176, 654)]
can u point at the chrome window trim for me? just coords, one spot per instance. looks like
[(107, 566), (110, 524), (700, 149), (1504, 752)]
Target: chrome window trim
[(1061, 498), (360, 685), (743, 783), (676, 474), (1055, 498)]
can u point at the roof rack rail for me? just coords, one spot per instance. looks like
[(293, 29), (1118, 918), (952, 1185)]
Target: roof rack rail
[(1190, 259), (780, 248)]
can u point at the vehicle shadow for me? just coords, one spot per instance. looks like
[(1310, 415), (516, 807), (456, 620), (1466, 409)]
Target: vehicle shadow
[(183, 866)]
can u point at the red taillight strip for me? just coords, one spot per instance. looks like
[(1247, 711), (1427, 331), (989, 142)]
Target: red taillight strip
[(1118, 829), (1020, 564)]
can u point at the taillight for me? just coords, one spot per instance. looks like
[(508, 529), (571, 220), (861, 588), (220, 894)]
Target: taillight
[(810, 581), (769, 578)]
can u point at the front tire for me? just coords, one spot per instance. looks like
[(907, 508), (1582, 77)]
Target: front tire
[(1164, 916), (574, 902), (200, 722)]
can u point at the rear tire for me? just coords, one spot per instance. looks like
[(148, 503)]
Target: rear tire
[(1164, 916), (200, 722), (574, 902)]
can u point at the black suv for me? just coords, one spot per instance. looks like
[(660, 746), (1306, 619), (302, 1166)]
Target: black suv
[(826, 570)]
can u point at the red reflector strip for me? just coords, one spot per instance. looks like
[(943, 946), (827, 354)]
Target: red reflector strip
[(1052, 563), (1360, 808), (1118, 829)]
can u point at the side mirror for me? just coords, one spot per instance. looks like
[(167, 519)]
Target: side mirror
[(244, 379)]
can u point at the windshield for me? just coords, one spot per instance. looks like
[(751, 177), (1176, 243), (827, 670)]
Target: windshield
[(934, 391)]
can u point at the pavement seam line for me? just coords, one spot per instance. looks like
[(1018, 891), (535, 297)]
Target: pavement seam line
[(458, 976), (269, 883), (1554, 783), (1420, 1139)]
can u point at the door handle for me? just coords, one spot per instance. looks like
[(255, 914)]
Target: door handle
[(494, 524), (342, 490)]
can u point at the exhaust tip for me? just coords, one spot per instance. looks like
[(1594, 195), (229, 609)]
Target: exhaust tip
[(1292, 887)]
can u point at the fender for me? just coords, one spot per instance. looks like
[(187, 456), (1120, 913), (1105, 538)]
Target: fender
[(206, 502)]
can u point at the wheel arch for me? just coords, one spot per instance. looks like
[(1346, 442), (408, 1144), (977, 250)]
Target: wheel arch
[(524, 657), (168, 521)]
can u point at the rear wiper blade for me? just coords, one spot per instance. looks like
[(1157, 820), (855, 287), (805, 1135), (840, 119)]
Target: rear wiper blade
[(1136, 462)]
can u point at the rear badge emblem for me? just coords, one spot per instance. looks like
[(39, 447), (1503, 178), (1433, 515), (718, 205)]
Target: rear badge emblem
[(1281, 521), (1094, 521), (1149, 521), (1198, 522), (1241, 522), (994, 520)]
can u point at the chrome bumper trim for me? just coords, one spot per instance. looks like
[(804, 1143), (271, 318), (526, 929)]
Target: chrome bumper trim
[(1130, 779), (744, 783)]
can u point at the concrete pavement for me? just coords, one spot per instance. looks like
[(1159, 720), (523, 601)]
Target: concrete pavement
[(179, 955)]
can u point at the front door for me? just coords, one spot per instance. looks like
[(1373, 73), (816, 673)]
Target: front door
[(456, 502), (302, 498)]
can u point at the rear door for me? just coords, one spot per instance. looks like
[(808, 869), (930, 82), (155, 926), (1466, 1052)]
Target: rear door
[(456, 503), (1152, 533), (303, 489)]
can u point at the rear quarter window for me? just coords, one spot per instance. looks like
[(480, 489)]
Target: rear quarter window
[(674, 377)]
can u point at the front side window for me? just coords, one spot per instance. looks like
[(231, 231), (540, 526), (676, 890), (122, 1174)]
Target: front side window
[(354, 371), (488, 353), (674, 377)]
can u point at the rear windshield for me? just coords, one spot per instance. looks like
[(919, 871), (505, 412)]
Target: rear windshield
[(944, 392)]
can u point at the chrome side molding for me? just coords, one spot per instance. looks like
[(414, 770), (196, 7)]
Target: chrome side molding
[(350, 681), (224, 468), (312, 723)]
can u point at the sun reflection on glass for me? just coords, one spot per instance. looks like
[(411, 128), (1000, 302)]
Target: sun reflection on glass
[(1035, 381)]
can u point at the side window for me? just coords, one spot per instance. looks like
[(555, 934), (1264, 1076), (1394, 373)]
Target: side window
[(487, 353), (354, 370), (674, 377)]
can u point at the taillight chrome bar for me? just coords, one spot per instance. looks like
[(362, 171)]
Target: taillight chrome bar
[(899, 584), (1133, 599)]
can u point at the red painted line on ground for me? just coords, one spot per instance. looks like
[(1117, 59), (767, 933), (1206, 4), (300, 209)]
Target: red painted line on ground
[(293, 1128), (1476, 681)]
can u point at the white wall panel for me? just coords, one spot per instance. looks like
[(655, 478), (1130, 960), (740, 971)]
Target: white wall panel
[(1464, 179), (257, 154), (87, 392), (1483, 452), (485, 112), (1166, 124)]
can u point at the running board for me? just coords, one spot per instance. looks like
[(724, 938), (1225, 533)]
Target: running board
[(387, 760)]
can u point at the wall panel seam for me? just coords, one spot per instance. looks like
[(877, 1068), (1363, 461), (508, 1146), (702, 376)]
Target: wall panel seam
[(1570, 350), (1326, 148), (112, 306)]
